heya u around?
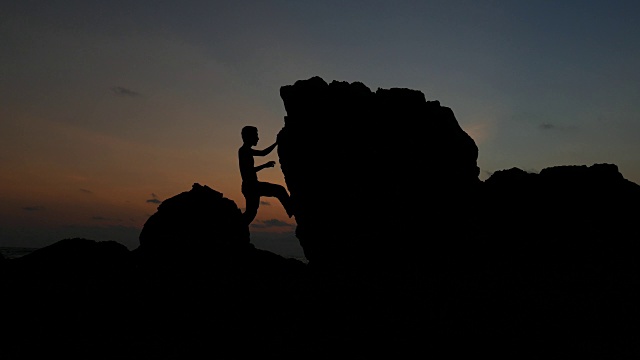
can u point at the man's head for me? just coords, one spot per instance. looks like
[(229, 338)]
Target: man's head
[(250, 134)]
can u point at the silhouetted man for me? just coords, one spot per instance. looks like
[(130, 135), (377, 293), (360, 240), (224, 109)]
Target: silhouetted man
[(252, 189)]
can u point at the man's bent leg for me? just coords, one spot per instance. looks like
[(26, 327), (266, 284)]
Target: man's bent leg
[(252, 201), (277, 191)]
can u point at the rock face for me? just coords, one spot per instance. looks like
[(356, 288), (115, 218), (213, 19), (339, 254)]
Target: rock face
[(369, 171)]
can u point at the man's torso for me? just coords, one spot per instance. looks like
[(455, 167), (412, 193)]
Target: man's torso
[(247, 167)]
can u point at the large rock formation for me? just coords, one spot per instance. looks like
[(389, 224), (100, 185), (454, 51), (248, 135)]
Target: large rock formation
[(386, 187), (372, 174), (410, 254)]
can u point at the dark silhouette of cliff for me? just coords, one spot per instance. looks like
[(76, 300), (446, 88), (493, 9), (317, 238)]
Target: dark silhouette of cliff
[(410, 254), (393, 166)]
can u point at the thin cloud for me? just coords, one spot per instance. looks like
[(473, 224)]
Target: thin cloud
[(271, 223), (122, 91), (102, 218), (266, 203), (86, 191), (555, 127), (154, 199), (33, 208)]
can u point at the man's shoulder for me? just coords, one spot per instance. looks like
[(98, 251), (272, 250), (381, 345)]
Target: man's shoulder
[(245, 151)]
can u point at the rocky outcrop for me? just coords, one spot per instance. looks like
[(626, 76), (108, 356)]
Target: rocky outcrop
[(573, 219), (563, 203), (370, 172), (201, 220)]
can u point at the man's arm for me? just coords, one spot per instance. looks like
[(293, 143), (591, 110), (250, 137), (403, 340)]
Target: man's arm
[(264, 152), (265, 165)]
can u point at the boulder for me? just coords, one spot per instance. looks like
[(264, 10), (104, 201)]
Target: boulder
[(196, 223)]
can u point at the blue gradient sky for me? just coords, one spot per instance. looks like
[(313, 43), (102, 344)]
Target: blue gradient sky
[(107, 107)]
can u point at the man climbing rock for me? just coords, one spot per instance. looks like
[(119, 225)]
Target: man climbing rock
[(252, 189)]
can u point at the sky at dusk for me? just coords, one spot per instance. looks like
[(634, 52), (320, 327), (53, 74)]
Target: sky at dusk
[(109, 107)]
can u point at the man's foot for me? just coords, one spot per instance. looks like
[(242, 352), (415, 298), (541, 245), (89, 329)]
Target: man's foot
[(289, 209)]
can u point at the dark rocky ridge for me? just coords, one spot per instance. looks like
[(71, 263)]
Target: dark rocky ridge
[(194, 287), (443, 265), (566, 219)]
